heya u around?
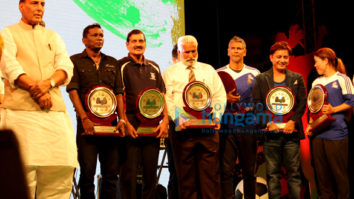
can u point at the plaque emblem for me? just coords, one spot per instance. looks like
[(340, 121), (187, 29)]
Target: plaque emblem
[(280, 101), (150, 105), (316, 99), (197, 96), (197, 100), (101, 104)]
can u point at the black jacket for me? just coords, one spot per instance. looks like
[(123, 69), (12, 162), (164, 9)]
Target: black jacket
[(264, 82)]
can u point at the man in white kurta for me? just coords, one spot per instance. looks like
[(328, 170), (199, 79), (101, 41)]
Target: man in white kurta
[(34, 63)]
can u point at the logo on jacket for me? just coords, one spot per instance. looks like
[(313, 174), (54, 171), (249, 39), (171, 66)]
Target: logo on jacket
[(152, 76), (334, 85), (109, 66), (250, 79)]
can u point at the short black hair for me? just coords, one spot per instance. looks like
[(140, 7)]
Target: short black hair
[(89, 27), (135, 32)]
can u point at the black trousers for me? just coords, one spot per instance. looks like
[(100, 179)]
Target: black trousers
[(330, 160), (144, 150), (106, 148), (196, 156), (246, 146)]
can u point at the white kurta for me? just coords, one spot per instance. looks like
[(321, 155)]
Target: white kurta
[(45, 138)]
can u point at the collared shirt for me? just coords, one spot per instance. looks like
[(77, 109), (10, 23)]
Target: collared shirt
[(87, 76), (137, 77), (176, 79), (37, 52)]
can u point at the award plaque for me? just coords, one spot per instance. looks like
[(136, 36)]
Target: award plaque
[(102, 104), (150, 104), (229, 85), (228, 81), (280, 101), (315, 101), (197, 100)]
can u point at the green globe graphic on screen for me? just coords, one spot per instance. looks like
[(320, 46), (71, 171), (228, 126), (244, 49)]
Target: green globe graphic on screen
[(121, 16)]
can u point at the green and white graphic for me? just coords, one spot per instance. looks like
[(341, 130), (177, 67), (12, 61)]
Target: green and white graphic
[(160, 20)]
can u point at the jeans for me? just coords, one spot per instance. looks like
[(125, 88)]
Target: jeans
[(282, 151)]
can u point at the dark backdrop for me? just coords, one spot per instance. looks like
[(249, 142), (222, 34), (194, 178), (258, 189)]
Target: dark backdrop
[(325, 24), (214, 22)]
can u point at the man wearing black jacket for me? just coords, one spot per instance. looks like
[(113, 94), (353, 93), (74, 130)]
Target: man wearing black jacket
[(282, 143)]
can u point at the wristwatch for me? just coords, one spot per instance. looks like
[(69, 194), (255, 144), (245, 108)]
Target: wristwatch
[(52, 83)]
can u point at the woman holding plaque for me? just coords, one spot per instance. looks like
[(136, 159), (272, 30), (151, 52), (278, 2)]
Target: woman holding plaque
[(329, 147)]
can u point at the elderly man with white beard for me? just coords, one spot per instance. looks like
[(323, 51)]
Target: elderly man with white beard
[(195, 151)]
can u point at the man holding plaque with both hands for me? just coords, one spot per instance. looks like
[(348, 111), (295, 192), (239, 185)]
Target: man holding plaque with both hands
[(145, 108), (96, 93), (283, 96), (196, 98)]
